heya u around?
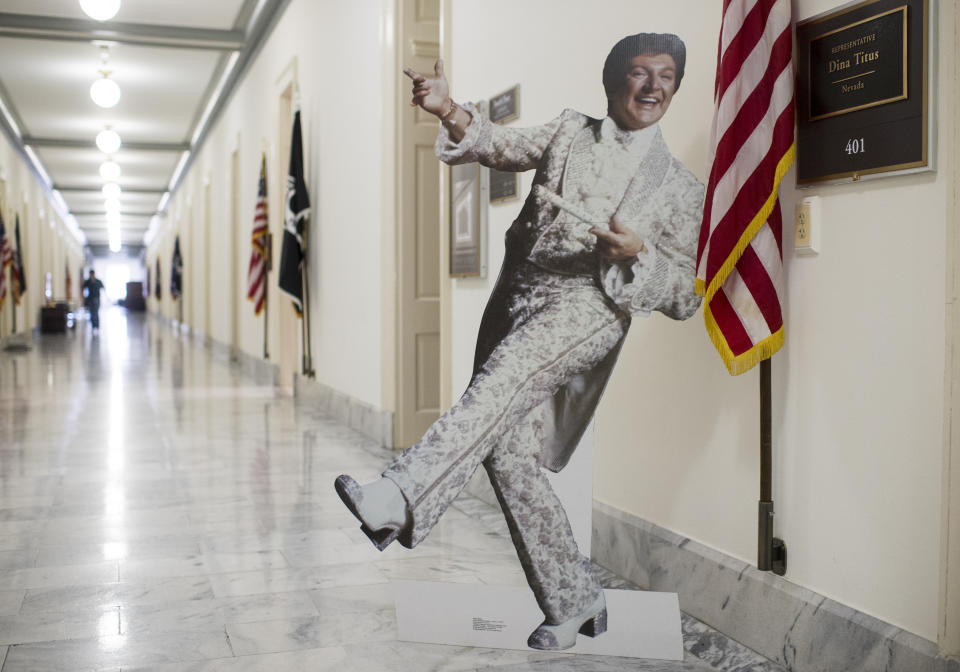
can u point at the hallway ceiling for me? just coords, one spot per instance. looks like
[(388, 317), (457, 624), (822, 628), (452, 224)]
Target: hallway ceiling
[(176, 62)]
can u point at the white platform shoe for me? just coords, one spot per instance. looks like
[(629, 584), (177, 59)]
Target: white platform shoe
[(591, 622), (379, 506)]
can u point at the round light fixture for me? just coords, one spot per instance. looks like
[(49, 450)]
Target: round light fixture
[(108, 141), (110, 170), (113, 217), (115, 245), (111, 190), (112, 204), (105, 92), (101, 10)]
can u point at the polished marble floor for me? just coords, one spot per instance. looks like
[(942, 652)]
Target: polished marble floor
[(161, 511)]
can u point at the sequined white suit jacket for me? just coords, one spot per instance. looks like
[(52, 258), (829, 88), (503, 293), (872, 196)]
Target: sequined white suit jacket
[(662, 202)]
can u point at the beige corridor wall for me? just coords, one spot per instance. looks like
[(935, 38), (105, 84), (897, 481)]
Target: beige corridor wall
[(858, 388), (49, 245), (333, 51)]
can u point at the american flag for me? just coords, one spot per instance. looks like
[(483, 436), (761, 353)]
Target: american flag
[(740, 255), (6, 260), (257, 273)]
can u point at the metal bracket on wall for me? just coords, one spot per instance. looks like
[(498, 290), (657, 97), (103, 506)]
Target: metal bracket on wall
[(772, 551), (778, 557)]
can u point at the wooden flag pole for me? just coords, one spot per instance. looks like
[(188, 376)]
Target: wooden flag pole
[(307, 351), (771, 552), (267, 263), (13, 303)]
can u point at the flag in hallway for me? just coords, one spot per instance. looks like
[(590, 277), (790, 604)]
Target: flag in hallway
[(6, 261), (257, 272), (297, 209), (740, 255), (19, 274), (176, 271)]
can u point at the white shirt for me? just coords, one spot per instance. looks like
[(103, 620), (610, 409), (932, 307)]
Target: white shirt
[(599, 189)]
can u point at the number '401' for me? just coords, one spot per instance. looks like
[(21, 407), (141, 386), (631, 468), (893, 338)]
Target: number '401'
[(855, 146)]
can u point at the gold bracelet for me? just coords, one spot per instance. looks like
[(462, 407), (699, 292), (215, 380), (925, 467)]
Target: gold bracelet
[(447, 118)]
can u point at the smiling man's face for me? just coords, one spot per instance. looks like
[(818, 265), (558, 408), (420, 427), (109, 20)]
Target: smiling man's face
[(646, 92)]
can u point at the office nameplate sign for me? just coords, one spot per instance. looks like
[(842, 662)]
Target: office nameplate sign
[(859, 65), (863, 94)]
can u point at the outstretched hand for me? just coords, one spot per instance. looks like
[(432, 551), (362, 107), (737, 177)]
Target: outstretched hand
[(619, 242), (432, 93)]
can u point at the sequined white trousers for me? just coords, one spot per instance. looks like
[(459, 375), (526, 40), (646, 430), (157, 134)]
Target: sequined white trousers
[(561, 326)]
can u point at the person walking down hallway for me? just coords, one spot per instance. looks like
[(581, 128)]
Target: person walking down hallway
[(91, 301)]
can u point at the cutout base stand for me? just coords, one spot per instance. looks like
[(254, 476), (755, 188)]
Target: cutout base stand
[(640, 624)]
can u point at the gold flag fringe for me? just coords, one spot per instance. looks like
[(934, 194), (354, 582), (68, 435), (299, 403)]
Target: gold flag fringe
[(737, 364), (256, 311), (755, 225)]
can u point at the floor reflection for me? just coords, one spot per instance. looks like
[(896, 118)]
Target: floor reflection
[(162, 511)]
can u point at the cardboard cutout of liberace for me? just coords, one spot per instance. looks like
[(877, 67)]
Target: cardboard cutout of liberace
[(609, 231)]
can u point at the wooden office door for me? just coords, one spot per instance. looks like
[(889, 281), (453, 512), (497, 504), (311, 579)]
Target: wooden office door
[(418, 235)]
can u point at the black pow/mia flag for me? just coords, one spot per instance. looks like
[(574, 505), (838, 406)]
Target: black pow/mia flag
[(295, 215)]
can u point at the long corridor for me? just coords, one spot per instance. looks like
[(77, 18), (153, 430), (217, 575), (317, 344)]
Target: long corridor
[(161, 510)]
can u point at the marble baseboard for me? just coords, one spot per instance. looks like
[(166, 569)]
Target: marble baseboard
[(790, 625), (372, 422), (18, 343), (360, 416), (262, 371)]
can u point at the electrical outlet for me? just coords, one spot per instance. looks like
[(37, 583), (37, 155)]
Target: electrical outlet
[(801, 233), (806, 226)]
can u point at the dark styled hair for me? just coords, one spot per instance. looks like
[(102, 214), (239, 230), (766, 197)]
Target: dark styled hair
[(617, 65)]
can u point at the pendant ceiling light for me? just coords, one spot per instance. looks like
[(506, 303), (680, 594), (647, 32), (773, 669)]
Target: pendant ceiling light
[(105, 92), (111, 190), (108, 141), (101, 10), (112, 205), (113, 217), (110, 171)]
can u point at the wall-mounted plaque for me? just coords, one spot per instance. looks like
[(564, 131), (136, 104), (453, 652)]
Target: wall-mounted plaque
[(863, 100), (505, 106), (503, 186), (468, 221)]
